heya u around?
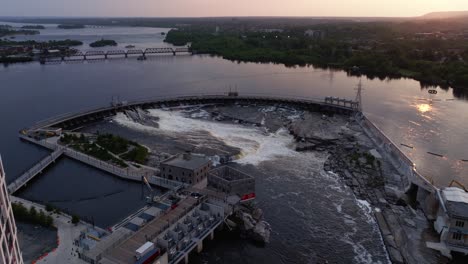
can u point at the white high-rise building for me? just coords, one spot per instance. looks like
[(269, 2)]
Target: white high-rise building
[(9, 248)]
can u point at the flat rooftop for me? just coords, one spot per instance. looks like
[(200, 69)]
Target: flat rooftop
[(125, 252), (187, 161), (456, 201)]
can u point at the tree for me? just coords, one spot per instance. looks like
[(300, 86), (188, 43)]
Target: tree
[(75, 219), (33, 214), (49, 208), (49, 221)]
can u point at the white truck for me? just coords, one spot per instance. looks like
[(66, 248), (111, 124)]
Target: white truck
[(145, 248)]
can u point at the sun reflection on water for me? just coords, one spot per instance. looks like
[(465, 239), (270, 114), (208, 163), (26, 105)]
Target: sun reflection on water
[(423, 108)]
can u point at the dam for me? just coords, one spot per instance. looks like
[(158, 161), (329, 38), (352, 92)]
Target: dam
[(45, 134)]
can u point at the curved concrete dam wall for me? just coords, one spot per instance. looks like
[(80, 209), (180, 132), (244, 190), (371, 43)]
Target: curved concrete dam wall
[(71, 120)]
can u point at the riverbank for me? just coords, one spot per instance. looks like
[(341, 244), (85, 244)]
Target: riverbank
[(404, 58)]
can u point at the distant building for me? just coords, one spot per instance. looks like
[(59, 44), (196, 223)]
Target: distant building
[(452, 221), (272, 30), (9, 248), (316, 34), (232, 182), (186, 168)]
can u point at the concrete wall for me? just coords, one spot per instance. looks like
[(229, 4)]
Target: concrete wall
[(70, 120), (389, 150)]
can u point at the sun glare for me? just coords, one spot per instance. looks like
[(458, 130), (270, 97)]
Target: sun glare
[(423, 108)]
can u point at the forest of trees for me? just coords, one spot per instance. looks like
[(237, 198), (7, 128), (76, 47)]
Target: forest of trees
[(376, 49)]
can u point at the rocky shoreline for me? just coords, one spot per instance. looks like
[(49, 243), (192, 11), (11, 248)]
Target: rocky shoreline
[(404, 227), (352, 155)]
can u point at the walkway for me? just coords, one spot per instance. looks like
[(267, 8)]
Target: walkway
[(129, 173), (36, 169)]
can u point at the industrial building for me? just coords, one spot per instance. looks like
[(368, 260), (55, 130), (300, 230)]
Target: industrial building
[(232, 182), (9, 248), (186, 168), (452, 221)]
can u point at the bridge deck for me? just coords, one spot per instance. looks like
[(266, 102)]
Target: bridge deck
[(35, 170)]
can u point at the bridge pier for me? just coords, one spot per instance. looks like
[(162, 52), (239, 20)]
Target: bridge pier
[(84, 57), (200, 246), (105, 56), (126, 54), (174, 53)]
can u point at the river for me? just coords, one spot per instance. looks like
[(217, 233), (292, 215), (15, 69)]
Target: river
[(401, 108)]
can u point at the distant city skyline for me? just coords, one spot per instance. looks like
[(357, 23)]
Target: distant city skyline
[(210, 8)]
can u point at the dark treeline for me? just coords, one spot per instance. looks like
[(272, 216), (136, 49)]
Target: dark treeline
[(383, 49), (6, 31), (31, 215)]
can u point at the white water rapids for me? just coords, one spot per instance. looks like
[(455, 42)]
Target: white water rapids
[(323, 204), (256, 145)]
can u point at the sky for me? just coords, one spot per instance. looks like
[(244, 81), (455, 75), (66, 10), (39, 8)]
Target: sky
[(203, 8)]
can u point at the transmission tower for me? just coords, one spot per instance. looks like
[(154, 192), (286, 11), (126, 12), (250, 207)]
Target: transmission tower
[(359, 95)]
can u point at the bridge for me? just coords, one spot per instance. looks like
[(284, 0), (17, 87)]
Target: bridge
[(104, 55), (35, 170)]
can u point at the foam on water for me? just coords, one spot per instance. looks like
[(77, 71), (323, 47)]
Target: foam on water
[(256, 145)]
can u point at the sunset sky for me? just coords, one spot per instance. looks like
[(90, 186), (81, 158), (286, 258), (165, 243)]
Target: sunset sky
[(197, 8)]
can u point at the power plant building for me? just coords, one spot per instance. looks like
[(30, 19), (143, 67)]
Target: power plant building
[(186, 168)]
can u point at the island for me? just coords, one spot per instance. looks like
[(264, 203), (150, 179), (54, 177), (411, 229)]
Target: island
[(26, 51), (6, 30), (71, 26), (33, 27), (103, 43)]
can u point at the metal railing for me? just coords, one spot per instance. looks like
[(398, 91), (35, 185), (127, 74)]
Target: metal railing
[(36, 169)]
